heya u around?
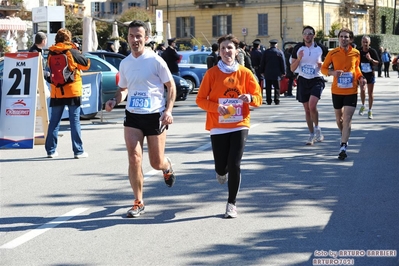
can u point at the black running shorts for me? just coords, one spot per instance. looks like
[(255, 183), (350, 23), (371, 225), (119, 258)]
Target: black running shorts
[(308, 87), (340, 101), (149, 124)]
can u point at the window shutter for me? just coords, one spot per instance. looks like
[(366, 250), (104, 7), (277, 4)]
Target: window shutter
[(192, 26), (229, 24), (179, 27), (214, 26)]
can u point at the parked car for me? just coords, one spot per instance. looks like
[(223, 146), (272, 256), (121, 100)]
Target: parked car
[(112, 58), (192, 67), (110, 76), (182, 87)]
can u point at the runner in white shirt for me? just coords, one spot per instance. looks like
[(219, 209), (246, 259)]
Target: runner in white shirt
[(143, 75), (306, 61)]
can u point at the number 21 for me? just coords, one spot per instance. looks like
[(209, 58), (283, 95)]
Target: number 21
[(16, 72)]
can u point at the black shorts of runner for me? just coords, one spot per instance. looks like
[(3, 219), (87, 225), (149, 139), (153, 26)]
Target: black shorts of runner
[(149, 124), (340, 101), (370, 77), (308, 87)]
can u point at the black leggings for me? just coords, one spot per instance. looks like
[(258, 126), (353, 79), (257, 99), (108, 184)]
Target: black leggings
[(227, 153), (386, 68)]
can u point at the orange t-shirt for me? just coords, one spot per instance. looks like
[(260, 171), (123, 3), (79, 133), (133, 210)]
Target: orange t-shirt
[(217, 86), (347, 61)]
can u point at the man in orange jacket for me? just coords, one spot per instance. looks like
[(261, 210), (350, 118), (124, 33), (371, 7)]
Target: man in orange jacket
[(347, 75)]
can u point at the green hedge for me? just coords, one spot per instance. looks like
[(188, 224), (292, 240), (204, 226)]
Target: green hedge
[(389, 41)]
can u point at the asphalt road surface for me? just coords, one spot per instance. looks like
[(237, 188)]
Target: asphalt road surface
[(298, 204)]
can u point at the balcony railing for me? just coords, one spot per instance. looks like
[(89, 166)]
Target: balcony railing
[(211, 3)]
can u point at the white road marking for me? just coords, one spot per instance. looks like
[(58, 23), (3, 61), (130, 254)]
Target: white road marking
[(151, 173), (42, 229), (203, 147)]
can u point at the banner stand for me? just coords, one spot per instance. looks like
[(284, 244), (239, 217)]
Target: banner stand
[(102, 120), (42, 120)]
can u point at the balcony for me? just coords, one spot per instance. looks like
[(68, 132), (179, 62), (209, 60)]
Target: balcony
[(213, 3)]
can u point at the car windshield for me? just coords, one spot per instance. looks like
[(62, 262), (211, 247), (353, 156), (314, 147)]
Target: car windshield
[(97, 66)]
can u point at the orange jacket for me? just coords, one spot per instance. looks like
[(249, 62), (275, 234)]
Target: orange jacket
[(76, 63), (348, 61), (216, 85)]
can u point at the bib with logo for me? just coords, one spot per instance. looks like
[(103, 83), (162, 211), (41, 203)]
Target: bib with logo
[(345, 81), (234, 106)]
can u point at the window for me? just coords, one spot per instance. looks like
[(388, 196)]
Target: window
[(185, 27), (263, 24), (221, 25), (327, 24), (115, 8), (133, 4), (97, 9)]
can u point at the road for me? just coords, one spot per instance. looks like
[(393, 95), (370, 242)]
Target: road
[(297, 204)]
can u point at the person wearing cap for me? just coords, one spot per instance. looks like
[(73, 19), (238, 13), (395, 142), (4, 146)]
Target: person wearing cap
[(272, 67), (171, 57), (160, 49), (110, 47), (307, 58), (256, 57), (124, 49)]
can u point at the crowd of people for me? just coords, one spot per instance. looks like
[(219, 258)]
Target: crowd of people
[(231, 87)]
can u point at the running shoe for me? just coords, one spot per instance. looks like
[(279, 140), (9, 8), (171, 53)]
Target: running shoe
[(136, 210), (370, 114), (169, 175), (310, 139), (231, 211), (55, 154), (342, 153), (319, 137), (361, 111), (82, 155), (221, 178)]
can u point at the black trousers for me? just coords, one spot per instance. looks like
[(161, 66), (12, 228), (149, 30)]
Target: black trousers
[(379, 69), (386, 69), (227, 153), (276, 85)]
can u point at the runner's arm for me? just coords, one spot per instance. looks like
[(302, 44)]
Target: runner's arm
[(120, 95)]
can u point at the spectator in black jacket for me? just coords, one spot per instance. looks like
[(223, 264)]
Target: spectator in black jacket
[(272, 67), (40, 42), (171, 57), (212, 59)]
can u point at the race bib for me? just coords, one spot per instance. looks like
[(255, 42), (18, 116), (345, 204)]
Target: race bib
[(139, 100), (308, 69), (345, 81), (365, 67), (234, 106)]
